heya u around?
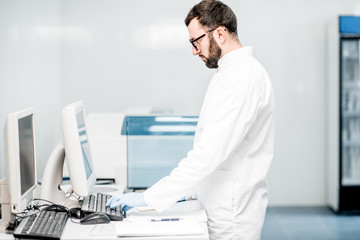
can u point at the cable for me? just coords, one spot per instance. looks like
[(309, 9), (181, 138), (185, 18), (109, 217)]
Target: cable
[(72, 220), (24, 214), (70, 192), (48, 206), (36, 208), (53, 206), (44, 200)]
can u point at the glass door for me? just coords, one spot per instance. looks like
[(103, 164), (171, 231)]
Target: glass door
[(350, 111)]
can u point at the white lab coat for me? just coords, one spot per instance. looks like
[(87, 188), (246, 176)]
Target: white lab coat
[(233, 148)]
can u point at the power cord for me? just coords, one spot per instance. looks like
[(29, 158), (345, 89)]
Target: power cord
[(51, 206)]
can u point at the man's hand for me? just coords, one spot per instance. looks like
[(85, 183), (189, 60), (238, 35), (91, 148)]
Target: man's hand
[(129, 200)]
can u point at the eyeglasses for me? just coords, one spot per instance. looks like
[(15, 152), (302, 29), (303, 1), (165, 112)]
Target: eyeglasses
[(197, 39)]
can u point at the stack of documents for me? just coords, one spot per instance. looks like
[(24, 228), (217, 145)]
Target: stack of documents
[(153, 216), (171, 228)]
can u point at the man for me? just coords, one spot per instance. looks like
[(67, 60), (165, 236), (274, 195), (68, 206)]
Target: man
[(233, 143)]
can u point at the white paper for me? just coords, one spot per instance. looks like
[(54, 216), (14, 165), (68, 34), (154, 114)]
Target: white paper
[(178, 228), (196, 216)]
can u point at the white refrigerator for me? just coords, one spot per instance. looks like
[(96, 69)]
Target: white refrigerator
[(343, 152)]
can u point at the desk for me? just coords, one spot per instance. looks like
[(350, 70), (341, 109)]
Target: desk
[(75, 231)]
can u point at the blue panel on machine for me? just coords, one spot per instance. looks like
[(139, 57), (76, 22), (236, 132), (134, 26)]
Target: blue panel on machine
[(155, 146), (349, 24)]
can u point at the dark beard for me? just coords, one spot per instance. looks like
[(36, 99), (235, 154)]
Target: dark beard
[(214, 54)]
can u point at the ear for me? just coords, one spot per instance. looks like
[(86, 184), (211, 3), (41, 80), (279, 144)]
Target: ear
[(220, 34)]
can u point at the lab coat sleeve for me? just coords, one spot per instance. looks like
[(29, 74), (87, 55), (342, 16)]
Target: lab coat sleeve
[(229, 114)]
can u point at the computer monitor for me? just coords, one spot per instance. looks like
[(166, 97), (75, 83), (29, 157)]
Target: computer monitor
[(20, 159), (76, 150)]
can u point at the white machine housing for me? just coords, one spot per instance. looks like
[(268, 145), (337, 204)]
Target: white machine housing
[(108, 146)]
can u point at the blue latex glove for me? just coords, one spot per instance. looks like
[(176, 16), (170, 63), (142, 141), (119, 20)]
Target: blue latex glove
[(130, 200)]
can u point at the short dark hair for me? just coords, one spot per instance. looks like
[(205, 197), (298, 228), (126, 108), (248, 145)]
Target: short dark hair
[(212, 14)]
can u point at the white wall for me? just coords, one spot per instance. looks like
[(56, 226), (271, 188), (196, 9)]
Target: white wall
[(116, 55), (30, 70), (130, 56)]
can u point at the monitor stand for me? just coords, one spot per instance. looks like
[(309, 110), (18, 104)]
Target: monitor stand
[(53, 177)]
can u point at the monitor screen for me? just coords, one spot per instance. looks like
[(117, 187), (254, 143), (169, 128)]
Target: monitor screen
[(84, 143), (20, 159), (26, 153)]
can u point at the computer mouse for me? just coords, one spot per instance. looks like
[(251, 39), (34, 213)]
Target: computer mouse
[(95, 218), (75, 213)]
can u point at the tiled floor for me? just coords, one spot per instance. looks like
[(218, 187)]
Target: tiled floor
[(309, 223)]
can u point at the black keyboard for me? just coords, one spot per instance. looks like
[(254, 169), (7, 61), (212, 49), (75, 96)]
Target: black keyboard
[(42, 225), (97, 203)]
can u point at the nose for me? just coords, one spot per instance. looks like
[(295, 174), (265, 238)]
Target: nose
[(194, 51)]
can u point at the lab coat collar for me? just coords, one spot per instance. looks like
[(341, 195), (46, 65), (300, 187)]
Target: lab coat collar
[(228, 58)]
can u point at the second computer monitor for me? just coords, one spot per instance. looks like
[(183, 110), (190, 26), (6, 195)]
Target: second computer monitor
[(20, 159), (77, 149)]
